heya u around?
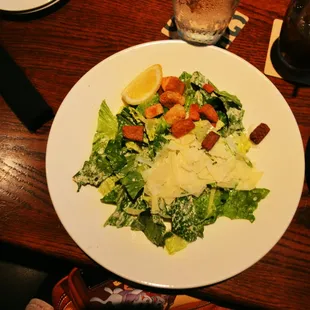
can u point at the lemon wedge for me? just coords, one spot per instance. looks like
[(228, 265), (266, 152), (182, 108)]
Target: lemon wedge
[(144, 86)]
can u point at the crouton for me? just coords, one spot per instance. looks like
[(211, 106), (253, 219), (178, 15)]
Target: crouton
[(259, 133), (154, 110), (208, 88), (176, 113), (182, 127), (134, 133), (194, 112), (172, 83), (210, 140), (170, 98), (208, 111)]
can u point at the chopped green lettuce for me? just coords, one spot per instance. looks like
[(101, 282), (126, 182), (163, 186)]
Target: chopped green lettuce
[(134, 183), (98, 168), (242, 204), (114, 196), (142, 106), (127, 118), (115, 154), (174, 244), (152, 226), (232, 100), (130, 165), (116, 166), (198, 79), (189, 93), (205, 208), (185, 76), (133, 146), (137, 207), (185, 222), (93, 172), (120, 219), (107, 123), (107, 185), (155, 126)]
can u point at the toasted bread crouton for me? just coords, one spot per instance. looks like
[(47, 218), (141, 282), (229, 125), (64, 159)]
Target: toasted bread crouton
[(134, 133), (176, 113), (259, 133), (170, 98), (172, 83), (208, 88), (194, 112), (154, 110), (182, 127), (208, 111), (210, 140)]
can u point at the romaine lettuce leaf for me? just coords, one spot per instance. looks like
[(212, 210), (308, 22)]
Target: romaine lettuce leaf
[(174, 244), (115, 196), (93, 172), (185, 76), (155, 126), (126, 208), (142, 106), (242, 204), (130, 165), (156, 145), (126, 117), (189, 92), (115, 155), (205, 208), (107, 123), (198, 79), (152, 226), (232, 100), (120, 219), (134, 183), (98, 168), (185, 221), (133, 146), (137, 207), (107, 185)]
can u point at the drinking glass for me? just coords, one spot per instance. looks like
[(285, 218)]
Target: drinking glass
[(294, 40), (203, 21)]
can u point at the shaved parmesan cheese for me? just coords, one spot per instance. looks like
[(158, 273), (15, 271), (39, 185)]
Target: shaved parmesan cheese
[(182, 168)]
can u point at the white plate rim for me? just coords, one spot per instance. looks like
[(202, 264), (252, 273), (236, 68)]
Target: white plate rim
[(301, 167), (30, 9)]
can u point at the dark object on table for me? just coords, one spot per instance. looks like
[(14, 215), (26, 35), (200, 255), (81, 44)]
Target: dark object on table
[(294, 44), (18, 92), (290, 52), (287, 73), (259, 133)]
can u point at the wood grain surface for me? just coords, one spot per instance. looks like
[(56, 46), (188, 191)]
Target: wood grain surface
[(55, 51)]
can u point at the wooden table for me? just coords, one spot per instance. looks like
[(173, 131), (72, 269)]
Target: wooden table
[(55, 51)]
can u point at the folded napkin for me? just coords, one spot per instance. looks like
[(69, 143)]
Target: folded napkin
[(21, 96), (237, 22)]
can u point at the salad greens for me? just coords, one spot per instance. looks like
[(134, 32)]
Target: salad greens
[(167, 180)]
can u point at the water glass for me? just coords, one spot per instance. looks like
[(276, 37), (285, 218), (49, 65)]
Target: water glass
[(203, 21)]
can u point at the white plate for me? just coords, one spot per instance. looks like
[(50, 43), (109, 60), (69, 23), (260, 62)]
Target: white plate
[(18, 6), (229, 247)]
